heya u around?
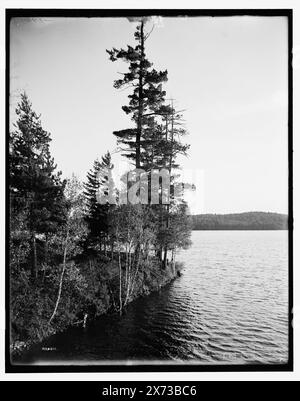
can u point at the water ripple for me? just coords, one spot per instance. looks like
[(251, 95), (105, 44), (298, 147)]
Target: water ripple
[(230, 306)]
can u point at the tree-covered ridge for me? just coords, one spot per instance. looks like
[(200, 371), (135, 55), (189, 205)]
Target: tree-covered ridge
[(240, 221)]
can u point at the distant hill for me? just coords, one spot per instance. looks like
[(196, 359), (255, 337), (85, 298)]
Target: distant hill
[(240, 221)]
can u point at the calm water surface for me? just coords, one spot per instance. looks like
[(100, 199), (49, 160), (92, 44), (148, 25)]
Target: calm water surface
[(230, 306)]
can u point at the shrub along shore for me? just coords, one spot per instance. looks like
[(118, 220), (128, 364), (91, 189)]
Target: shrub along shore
[(104, 275)]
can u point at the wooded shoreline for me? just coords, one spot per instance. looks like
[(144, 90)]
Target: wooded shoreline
[(148, 282), (240, 221), (77, 250)]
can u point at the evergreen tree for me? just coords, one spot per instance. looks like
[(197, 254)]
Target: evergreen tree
[(170, 147), (147, 96), (35, 186), (155, 142), (97, 186)]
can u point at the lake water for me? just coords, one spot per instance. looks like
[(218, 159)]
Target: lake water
[(229, 306)]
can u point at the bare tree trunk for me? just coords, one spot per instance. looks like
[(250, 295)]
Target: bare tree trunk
[(140, 100), (34, 258), (165, 258), (126, 266), (120, 284), (61, 278), (45, 258), (160, 254), (134, 277), (169, 195), (129, 278), (173, 261)]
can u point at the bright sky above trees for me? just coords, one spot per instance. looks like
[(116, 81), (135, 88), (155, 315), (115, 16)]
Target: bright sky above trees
[(230, 74)]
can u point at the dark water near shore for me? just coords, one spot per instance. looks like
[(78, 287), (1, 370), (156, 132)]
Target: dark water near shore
[(230, 306)]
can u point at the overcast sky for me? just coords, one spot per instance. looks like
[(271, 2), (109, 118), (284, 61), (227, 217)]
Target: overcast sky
[(229, 73)]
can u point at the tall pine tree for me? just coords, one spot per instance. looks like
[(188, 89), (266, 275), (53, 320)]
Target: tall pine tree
[(156, 140), (35, 186), (97, 187), (146, 98)]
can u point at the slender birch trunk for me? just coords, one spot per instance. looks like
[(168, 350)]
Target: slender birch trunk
[(135, 274), (34, 258), (120, 283), (61, 278)]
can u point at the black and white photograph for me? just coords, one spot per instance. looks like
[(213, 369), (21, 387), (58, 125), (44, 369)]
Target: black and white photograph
[(149, 202)]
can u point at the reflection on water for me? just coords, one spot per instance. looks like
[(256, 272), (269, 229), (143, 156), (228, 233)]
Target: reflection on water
[(230, 306)]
